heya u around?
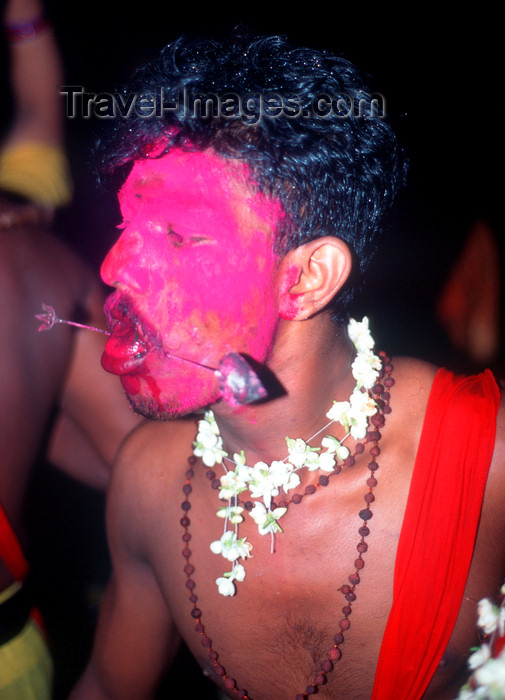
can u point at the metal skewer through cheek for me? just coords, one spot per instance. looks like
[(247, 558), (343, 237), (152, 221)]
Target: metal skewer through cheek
[(238, 382)]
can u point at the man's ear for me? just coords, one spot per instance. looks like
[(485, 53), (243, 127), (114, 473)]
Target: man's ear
[(311, 275)]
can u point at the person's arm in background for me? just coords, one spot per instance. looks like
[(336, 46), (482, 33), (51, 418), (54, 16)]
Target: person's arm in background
[(93, 407), (33, 161), (35, 74), (136, 638)]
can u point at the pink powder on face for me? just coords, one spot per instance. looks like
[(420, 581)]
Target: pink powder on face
[(196, 260), (291, 305)]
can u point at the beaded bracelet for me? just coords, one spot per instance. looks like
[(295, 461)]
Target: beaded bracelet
[(20, 32)]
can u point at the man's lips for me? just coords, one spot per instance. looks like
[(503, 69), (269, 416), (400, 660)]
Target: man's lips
[(124, 352), (130, 342), (125, 349)]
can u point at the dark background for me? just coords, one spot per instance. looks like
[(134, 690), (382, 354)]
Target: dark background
[(441, 76), (442, 79)]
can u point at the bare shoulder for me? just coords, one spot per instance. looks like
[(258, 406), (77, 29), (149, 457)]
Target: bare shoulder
[(156, 450), (409, 397), (157, 444), (499, 454), (494, 499), (151, 461), (413, 377)]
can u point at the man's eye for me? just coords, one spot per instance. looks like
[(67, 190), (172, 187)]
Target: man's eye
[(175, 238)]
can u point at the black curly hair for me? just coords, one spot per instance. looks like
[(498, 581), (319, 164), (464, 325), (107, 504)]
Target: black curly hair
[(336, 170)]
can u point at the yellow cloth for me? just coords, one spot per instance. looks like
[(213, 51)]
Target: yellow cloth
[(26, 667), (37, 171)]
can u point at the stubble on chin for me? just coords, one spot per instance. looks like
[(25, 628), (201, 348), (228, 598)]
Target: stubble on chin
[(169, 409)]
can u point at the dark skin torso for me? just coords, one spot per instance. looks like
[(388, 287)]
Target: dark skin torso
[(52, 373), (272, 636), (34, 268)]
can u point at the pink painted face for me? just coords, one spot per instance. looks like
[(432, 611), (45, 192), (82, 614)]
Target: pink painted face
[(196, 277)]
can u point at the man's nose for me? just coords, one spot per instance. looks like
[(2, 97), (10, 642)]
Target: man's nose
[(125, 266)]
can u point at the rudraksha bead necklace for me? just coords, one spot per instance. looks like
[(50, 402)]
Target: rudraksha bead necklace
[(381, 395)]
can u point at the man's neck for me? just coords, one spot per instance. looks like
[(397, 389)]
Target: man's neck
[(312, 379)]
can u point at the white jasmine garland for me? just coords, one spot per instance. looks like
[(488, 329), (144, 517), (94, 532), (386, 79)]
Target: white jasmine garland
[(230, 547), (209, 444), (360, 335), (491, 675), (264, 481), (334, 446), (364, 368), (362, 406), (479, 657), (266, 519), (327, 462), (234, 514), (488, 616), (234, 482), (487, 662), (225, 583)]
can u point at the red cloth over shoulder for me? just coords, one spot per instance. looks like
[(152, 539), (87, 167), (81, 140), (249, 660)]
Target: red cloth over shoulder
[(438, 532)]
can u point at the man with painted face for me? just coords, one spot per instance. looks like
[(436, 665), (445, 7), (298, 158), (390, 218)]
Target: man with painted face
[(336, 536)]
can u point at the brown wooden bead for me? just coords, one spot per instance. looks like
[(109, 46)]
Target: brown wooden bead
[(334, 654)]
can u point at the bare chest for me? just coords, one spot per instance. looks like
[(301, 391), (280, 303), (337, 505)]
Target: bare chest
[(311, 613), (314, 612)]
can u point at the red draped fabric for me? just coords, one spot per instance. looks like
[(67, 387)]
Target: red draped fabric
[(438, 532)]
